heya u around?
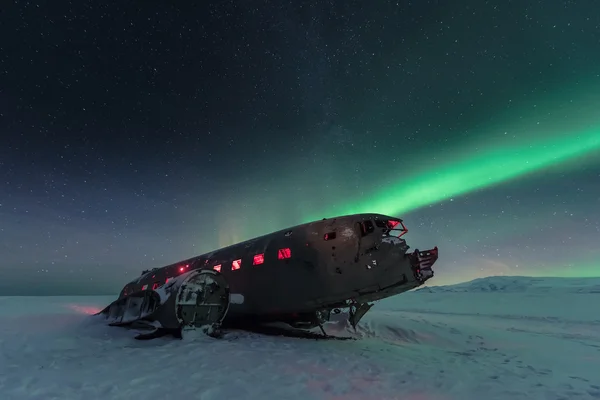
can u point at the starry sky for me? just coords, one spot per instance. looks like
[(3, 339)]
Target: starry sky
[(136, 134)]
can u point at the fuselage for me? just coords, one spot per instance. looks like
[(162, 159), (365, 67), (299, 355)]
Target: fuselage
[(318, 265)]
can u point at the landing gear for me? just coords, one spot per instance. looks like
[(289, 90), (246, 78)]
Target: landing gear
[(322, 330), (357, 311), (322, 317)]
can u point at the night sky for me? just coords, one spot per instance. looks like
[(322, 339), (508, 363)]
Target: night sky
[(138, 133)]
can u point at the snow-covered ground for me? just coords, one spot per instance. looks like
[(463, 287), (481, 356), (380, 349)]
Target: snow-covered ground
[(493, 338)]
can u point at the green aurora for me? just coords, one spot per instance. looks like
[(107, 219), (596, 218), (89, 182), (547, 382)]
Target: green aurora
[(476, 167), (495, 159), (492, 165), (486, 164)]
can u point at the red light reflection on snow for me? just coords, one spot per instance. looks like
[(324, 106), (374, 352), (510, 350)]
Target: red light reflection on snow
[(363, 381), (89, 310), (357, 385)]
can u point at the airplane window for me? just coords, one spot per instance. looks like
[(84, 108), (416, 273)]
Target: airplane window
[(368, 227), (258, 259), (284, 253), (329, 236), (397, 228), (236, 264)]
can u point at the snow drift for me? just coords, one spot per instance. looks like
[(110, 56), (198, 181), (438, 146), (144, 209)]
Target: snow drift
[(494, 338)]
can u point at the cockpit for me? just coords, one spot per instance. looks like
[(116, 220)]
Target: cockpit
[(391, 230), (397, 228)]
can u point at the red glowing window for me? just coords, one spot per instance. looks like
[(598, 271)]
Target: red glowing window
[(282, 254), (329, 236), (258, 259), (236, 264), (145, 287), (155, 285), (397, 228), (217, 268), (168, 279)]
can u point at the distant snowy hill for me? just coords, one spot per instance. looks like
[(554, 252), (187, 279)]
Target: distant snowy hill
[(520, 284)]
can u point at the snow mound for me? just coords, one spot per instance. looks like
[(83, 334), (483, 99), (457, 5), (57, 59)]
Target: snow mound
[(520, 284)]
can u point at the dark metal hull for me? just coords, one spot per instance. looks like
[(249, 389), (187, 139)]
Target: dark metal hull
[(300, 271)]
